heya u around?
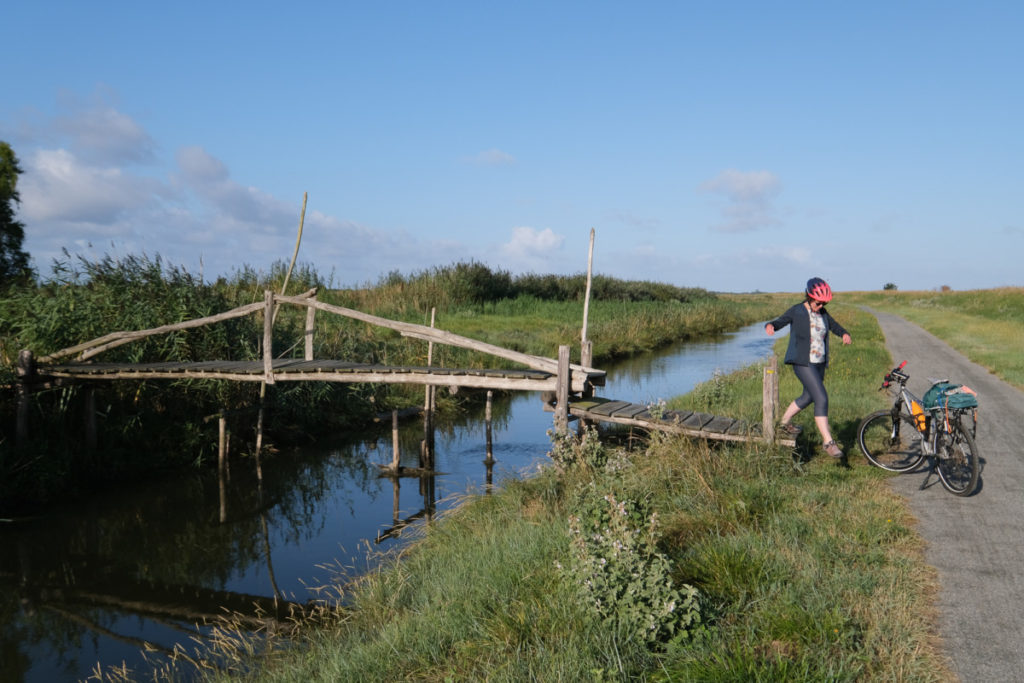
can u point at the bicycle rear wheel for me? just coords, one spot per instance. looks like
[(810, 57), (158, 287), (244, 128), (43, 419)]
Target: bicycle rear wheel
[(893, 445), (957, 460)]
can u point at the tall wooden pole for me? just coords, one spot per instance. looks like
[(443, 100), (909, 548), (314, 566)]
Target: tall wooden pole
[(586, 361)]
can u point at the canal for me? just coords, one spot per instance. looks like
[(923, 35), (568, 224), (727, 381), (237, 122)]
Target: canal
[(96, 584)]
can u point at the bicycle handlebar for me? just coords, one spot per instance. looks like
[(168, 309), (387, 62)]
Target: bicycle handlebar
[(895, 373)]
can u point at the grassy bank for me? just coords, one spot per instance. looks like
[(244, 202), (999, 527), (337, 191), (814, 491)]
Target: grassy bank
[(678, 561)]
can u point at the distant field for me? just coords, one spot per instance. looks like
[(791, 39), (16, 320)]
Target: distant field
[(985, 325)]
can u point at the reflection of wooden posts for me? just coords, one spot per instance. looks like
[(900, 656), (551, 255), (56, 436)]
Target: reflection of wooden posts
[(222, 443), (429, 496), (396, 486), (90, 418), (26, 371), (770, 398), (259, 431), (562, 391), (222, 464)]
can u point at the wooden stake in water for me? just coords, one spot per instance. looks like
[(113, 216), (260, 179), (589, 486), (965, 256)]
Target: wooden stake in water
[(487, 423), (394, 440)]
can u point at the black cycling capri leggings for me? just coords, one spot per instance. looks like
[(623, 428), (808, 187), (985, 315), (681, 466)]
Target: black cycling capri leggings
[(813, 378)]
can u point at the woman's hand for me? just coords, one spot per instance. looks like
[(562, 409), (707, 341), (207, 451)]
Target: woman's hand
[(846, 339), (770, 329)]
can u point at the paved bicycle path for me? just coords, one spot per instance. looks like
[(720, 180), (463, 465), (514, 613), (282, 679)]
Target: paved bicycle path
[(976, 543)]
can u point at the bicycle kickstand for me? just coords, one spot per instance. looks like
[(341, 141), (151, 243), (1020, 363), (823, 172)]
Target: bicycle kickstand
[(931, 470)]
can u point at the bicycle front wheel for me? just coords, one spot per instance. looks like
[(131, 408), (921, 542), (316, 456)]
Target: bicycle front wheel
[(893, 445), (957, 461)]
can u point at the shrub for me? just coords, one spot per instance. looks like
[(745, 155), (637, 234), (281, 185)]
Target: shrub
[(622, 576)]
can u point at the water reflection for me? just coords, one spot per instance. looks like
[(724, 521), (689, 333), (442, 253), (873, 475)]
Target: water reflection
[(142, 568)]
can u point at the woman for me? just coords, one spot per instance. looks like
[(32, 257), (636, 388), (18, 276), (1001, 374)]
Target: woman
[(808, 354)]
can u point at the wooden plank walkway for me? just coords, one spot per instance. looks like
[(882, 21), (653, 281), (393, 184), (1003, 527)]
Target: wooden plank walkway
[(318, 371), (695, 424)]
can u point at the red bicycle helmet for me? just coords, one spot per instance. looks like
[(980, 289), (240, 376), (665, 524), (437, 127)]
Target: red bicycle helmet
[(819, 290)]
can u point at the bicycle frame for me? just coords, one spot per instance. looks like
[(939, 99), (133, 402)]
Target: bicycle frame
[(905, 402)]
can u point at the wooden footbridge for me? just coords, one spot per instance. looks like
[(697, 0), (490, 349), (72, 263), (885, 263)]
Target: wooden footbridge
[(568, 387)]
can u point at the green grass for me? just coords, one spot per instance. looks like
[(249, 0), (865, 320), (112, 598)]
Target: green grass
[(806, 570)]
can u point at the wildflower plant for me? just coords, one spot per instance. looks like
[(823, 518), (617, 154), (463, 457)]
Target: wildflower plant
[(570, 450), (620, 573)]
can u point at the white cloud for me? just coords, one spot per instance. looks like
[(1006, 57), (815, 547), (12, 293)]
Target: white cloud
[(532, 250), (528, 242), (491, 157), (58, 186), (748, 196)]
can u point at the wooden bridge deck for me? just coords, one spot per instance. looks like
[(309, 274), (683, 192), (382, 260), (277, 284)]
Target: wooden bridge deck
[(690, 423), (316, 371)]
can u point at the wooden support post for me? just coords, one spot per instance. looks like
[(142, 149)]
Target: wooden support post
[(394, 440), (770, 398), (562, 392), (26, 371), (310, 315), (487, 427), (222, 447), (268, 336)]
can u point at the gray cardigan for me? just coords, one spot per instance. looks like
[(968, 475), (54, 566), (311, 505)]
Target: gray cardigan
[(799, 350)]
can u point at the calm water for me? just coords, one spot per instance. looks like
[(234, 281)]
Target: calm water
[(97, 583)]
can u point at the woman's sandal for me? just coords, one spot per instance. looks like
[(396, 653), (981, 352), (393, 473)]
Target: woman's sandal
[(832, 448)]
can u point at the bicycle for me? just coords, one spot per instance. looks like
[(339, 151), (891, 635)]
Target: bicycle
[(941, 426)]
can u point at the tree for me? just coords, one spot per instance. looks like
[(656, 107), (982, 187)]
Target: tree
[(890, 287), (13, 259)]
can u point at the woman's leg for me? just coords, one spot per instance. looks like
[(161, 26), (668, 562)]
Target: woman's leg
[(812, 377)]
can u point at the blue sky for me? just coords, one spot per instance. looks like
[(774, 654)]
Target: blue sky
[(736, 146)]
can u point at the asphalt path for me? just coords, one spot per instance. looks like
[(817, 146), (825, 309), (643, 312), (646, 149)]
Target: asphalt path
[(976, 543)]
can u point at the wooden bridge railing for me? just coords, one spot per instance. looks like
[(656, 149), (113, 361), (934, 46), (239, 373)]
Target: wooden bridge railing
[(271, 301)]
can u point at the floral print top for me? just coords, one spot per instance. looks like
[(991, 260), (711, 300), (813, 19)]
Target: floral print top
[(818, 333)]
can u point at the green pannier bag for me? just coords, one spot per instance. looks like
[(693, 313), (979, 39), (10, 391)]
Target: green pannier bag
[(946, 396)]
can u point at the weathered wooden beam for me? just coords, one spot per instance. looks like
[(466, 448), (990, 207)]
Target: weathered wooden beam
[(115, 339), (770, 398)]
